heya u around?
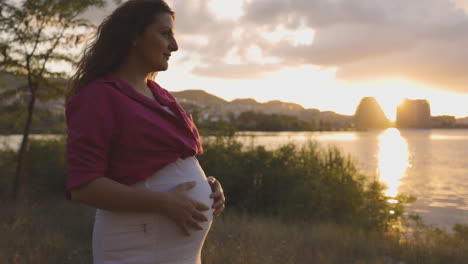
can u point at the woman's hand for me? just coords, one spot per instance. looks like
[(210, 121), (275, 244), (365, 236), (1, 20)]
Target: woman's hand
[(217, 195), (185, 212)]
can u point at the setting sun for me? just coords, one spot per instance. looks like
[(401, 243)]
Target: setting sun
[(390, 93)]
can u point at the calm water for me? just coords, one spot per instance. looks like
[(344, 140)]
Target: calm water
[(429, 164)]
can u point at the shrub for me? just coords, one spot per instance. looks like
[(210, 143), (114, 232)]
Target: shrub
[(45, 168), (308, 183)]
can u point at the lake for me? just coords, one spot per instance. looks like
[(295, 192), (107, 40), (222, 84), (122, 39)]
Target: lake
[(431, 165)]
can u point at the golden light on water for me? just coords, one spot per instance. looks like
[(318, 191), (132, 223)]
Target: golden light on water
[(338, 136), (393, 160)]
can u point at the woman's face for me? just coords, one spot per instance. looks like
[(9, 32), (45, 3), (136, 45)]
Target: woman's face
[(154, 47)]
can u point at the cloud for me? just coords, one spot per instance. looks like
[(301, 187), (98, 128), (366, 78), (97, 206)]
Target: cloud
[(96, 15), (440, 65), (423, 40), (236, 71)]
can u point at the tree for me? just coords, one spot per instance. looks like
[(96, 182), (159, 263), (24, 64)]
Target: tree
[(37, 40)]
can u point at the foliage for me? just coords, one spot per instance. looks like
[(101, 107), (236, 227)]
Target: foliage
[(44, 122), (311, 194), (13, 117), (249, 121), (45, 167), (433, 245), (307, 183), (37, 33), (36, 40), (252, 121), (215, 128), (7, 167)]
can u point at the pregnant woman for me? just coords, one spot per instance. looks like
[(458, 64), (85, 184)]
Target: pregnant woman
[(131, 147)]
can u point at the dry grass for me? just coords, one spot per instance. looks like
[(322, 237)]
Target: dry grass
[(242, 239), (56, 231), (45, 232)]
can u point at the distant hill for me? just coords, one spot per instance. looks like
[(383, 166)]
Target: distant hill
[(414, 114), (215, 108), (463, 120), (9, 81), (277, 103), (198, 96), (369, 114), (211, 107), (245, 101)]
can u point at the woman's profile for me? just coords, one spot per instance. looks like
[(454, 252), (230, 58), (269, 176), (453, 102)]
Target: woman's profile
[(131, 147)]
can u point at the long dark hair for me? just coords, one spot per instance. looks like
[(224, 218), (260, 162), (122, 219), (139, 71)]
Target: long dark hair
[(113, 40)]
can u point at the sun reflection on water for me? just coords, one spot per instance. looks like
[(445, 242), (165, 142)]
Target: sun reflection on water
[(393, 160)]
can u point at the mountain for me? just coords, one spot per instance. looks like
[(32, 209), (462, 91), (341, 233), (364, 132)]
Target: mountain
[(199, 97), (414, 114), (211, 107), (463, 120), (369, 114), (214, 108)]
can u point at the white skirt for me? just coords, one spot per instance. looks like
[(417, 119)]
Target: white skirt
[(140, 238)]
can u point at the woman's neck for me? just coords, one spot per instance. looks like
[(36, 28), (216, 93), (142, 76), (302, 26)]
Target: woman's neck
[(134, 75)]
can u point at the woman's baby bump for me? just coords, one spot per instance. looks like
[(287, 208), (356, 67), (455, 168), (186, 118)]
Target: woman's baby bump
[(166, 179), (179, 172)]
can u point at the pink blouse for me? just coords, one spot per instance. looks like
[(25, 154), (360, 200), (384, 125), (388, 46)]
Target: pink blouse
[(114, 131)]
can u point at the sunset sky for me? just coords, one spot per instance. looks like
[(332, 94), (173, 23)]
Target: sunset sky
[(324, 54)]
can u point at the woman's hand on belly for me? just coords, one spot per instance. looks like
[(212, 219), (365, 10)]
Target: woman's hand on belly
[(217, 195), (185, 212)]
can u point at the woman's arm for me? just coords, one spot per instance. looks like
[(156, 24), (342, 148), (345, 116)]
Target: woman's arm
[(110, 195)]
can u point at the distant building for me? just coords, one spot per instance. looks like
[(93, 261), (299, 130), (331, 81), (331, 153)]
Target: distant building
[(414, 114)]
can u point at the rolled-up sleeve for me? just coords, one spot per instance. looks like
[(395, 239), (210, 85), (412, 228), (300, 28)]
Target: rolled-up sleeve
[(90, 129)]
